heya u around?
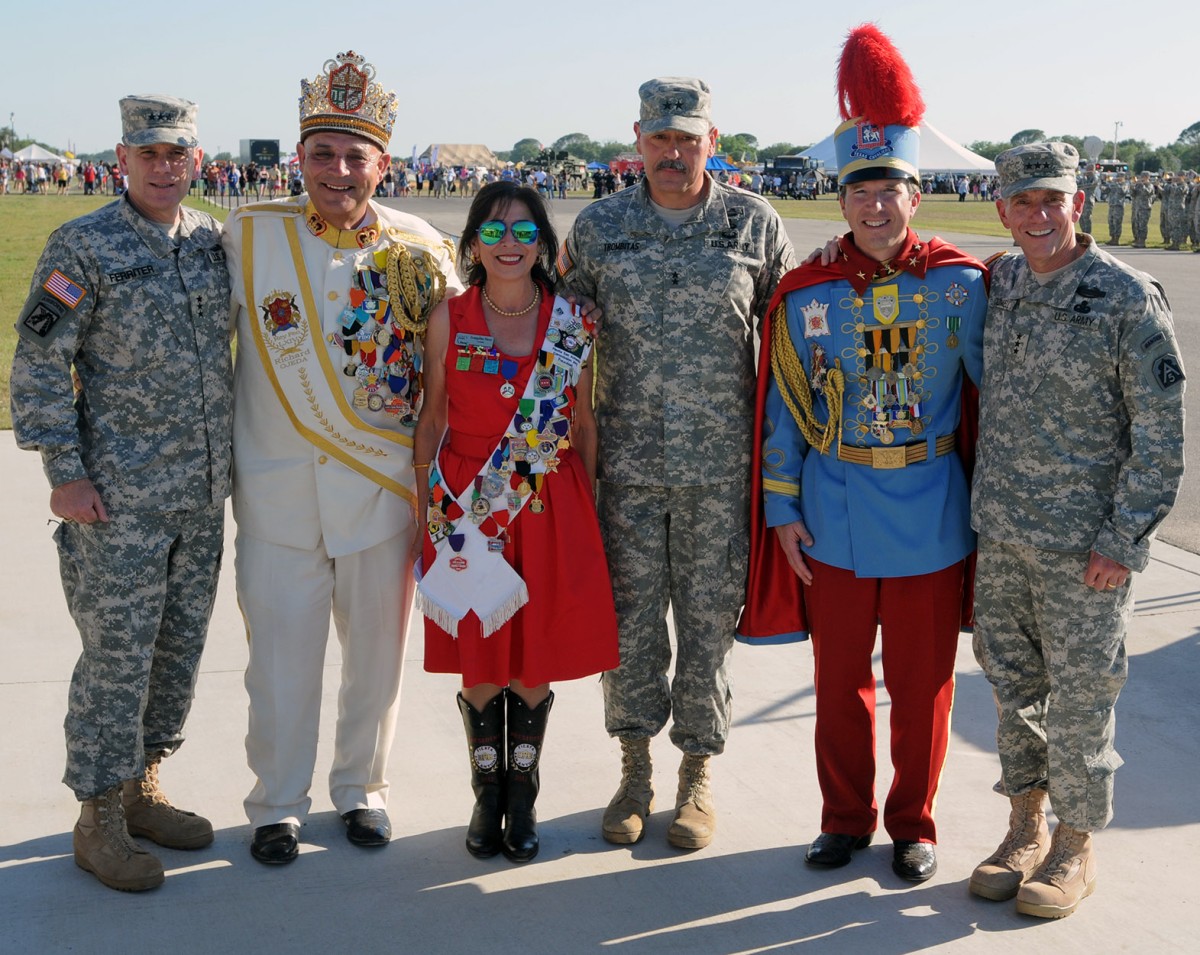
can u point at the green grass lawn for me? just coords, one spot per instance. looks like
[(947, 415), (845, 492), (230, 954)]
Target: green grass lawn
[(27, 221)]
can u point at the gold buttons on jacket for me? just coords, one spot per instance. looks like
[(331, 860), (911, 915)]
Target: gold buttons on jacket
[(333, 296), (322, 459)]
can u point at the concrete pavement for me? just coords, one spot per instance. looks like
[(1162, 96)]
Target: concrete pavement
[(748, 892)]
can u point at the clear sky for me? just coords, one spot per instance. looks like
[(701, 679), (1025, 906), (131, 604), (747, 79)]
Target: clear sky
[(474, 72)]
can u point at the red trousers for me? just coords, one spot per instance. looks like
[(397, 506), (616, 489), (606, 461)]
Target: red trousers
[(919, 618)]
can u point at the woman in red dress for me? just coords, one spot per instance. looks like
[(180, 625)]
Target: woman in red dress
[(515, 590)]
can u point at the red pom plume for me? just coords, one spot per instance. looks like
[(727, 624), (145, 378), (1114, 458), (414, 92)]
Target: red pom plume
[(874, 82)]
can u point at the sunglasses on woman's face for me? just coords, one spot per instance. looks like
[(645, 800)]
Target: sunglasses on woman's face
[(492, 231)]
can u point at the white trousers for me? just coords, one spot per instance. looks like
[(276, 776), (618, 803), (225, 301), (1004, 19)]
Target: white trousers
[(286, 596)]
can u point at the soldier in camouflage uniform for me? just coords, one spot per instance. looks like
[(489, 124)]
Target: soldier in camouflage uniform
[(1174, 209), (683, 267), (1088, 182), (1114, 194), (1160, 193), (1193, 210), (135, 298), (1142, 198), (1196, 215), (1080, 457)]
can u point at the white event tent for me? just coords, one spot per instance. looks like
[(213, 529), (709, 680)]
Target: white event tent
[(35, 153)]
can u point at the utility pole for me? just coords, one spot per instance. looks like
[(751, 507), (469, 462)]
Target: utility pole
[(1116, 129)]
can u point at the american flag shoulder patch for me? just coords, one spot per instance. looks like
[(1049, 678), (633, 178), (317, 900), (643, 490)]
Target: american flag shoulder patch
[(63, 289), (563, 263)]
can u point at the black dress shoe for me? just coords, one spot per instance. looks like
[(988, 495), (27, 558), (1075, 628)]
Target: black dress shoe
[(831, 850), (367, 827), (914, 861), (276, 844)]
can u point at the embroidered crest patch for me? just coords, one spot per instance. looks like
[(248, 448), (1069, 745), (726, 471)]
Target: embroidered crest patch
[(282, 322), (815, 321), (886, 303)]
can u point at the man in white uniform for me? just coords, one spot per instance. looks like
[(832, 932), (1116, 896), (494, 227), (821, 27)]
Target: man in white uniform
[(332, 292)]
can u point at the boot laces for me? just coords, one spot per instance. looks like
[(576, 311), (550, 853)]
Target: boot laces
[(110, 820), (1064, 848), (1021, 829), (635, 767), (695, 779), (150, 793), (148, 788)]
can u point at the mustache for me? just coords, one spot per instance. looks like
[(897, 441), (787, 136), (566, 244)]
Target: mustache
[(672, 164)]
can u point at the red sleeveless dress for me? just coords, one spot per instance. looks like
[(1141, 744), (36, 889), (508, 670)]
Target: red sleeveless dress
[(568, 629)]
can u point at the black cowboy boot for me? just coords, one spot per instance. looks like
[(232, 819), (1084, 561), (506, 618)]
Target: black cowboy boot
[(526, 731), (485, 745)]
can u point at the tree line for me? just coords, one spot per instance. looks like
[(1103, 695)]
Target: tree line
[(1184, 153)]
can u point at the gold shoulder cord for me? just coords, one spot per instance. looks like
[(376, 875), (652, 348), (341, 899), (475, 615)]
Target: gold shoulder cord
[(402, 287), (795, 389)]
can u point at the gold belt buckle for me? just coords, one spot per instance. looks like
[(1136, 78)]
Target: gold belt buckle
[(888, 459)]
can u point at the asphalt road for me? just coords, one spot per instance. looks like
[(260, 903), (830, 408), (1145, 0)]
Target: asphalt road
[(1178, 272)]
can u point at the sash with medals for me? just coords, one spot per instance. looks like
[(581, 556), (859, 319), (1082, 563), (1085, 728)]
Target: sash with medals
[(291, 344), (469, 531)]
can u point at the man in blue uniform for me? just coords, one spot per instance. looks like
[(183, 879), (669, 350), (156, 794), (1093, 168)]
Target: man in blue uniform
[(863, 486)]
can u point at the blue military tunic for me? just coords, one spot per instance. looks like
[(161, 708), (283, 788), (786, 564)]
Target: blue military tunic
[(902, 336)]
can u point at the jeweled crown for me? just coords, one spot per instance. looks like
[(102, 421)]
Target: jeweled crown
[(344, 99)]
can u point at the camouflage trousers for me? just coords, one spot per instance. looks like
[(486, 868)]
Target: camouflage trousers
[(1116, 218), (1140, 220), (141, 590), (1176, 225), (1054, 652), (1085, 219), (687, 547)]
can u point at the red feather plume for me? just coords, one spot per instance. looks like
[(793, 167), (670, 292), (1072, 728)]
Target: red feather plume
[(874, 82)]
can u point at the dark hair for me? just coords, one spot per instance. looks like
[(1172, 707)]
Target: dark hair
[(492, 201)]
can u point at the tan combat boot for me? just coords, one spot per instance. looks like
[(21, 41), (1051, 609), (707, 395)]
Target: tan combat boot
[(1066, 878), (149, 814), (695, 815), (625, 817), (1001, 874), (103, 846)]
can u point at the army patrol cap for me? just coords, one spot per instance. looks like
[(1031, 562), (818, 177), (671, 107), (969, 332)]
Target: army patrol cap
[(1038, 166), (150, 119), (675, 102)]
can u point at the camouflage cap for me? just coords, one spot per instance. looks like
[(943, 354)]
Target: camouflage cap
[(150, 119), (675, 102), (1052, 165)]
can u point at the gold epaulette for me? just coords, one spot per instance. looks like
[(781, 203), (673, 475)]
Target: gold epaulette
[(287, 207)]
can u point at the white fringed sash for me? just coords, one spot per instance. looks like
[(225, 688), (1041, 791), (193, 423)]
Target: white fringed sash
[(469, 571)]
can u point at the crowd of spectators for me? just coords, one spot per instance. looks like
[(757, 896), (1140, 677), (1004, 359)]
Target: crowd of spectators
[(43, 178), (227, 180)]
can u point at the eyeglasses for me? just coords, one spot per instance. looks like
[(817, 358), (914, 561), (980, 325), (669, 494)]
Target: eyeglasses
[(492, 231)]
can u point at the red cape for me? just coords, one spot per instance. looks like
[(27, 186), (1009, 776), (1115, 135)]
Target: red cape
[(774, 607)]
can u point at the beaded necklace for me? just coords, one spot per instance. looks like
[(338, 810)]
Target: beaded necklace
[(537, 295)]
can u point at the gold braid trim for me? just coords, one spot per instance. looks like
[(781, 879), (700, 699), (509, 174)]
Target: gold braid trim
[(402, 275), (794, 386)]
